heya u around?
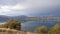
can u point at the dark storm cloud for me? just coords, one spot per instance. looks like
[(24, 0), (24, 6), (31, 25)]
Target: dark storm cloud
[(29, 7)]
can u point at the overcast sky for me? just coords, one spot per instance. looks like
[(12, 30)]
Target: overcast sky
[(30, 7)]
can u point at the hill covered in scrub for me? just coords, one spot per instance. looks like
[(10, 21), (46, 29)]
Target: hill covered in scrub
[(12, 27), (12, 24)]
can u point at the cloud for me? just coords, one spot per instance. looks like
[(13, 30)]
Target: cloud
[(28, 7), (9, 10)]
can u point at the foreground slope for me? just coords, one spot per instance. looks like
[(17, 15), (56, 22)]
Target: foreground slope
[(12, 31)]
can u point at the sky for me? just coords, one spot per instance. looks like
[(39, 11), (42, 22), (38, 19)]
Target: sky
[(30, 7)]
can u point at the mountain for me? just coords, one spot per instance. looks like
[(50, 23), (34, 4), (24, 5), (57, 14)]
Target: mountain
[(4, 18)]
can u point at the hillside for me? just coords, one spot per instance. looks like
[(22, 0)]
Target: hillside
[(12, 31), (4, 18)]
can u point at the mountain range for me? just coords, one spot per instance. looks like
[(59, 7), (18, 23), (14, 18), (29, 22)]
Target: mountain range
[(4, 18)]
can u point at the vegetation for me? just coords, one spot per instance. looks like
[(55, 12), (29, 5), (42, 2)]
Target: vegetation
[(12, 24), (44, 30), (12, 31), (12, 27), (15, 24), (55, 29)]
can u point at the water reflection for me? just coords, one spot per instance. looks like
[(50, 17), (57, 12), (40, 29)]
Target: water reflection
[(32, 25)]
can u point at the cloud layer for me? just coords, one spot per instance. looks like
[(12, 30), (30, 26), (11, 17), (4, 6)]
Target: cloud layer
[(29, 7)]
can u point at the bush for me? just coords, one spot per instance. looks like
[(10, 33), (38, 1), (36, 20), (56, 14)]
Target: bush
[(55, 29), (41, 30), (13, 24)]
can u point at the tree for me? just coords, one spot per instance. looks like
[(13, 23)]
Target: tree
[(13, 24), (55, 29), (41, 30)]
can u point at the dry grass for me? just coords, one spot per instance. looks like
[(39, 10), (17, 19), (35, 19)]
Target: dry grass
[(12, 31)]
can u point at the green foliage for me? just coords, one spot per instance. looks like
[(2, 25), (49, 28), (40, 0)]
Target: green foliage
[(13, 24), (41, 30), (55, 29), (44, 30)]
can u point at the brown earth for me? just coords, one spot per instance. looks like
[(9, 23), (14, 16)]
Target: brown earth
[(12, 31)]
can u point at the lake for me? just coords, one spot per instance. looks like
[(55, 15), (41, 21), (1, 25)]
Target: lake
[(32, 25)]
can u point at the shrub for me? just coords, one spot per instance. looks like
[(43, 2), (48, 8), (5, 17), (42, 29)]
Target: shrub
[(13, 24), (55, 29), (41, 30)]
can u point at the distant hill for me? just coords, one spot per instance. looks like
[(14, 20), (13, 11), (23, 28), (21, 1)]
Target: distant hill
[(4, 18), (24, 18)]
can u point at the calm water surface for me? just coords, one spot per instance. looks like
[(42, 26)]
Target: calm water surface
[(32, 25)]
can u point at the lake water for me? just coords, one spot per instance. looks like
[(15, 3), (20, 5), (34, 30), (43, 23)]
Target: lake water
[(32, 25)]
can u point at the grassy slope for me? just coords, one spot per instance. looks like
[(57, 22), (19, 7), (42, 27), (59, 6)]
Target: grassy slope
[(12, 31)]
